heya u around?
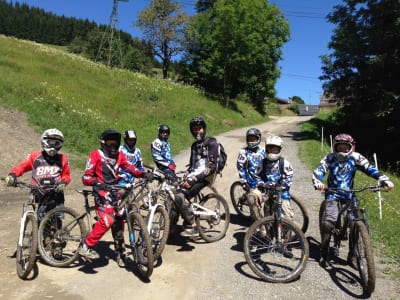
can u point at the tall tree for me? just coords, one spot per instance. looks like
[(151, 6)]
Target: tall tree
[(234, 47), (363, 71), (163, 22)]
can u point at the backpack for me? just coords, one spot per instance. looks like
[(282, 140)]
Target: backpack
[(222, 159)]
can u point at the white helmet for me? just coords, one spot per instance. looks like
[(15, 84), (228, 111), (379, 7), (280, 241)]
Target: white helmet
[(273, 141), (52, 141)]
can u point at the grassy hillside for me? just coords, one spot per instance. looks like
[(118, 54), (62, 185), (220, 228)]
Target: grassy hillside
[(82, 98)]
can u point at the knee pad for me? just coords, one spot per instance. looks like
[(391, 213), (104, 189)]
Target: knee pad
[(251, 199), (327, 226), (180, 200)]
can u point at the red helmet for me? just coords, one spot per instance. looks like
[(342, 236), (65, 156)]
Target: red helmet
[(346, 139)]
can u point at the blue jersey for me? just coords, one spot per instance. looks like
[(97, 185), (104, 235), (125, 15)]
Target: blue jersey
[(247, 163), (341, 174), (135, 158), (161, 152), (269, 172)]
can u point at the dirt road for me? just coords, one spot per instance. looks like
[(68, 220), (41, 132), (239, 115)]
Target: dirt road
[(189, 269)]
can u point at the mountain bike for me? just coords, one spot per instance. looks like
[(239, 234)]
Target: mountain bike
[(274, 247), (72, 231), (353, 219), (154, 213), (32, 213), (239, 192), (211, 211)]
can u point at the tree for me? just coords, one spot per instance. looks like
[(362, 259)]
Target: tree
[(363, 70), (234, 48), (163, 23), (297, 99)]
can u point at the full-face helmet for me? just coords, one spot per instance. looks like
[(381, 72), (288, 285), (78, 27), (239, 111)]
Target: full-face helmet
[(161, 129), (109, 142), (346, 139), (52, 141), (273, 141), (198, 121), (253, 132), (130, 134)]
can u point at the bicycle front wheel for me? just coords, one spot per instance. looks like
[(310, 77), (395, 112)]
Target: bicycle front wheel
[(365, 257), (61, 233), (212, 217), (239, 200), (138, 244), (26, 253), (272, 257), (159, 230)]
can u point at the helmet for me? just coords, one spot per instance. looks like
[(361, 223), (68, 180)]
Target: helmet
[(130, 134), (161, 129), (343, 138), (198, 121), (52, 141), (273, 141), (110, 149), (253, 132)]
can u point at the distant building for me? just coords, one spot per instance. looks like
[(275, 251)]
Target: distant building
[(283, 101), (308, 110), (327, 101)]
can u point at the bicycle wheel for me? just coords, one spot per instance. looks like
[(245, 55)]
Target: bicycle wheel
[(213, 220), (270, 259), (138, 246), (239, 200), (300, 213), (365, 257), (61, 233), (26, 253), (159, 230)]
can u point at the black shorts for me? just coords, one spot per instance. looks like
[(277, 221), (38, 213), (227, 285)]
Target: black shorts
[(194, 189)]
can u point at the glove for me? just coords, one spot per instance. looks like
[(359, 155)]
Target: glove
[(387, 184), (261, 185), (172, 167), (102, 186), (11, 179), (147, 175), (318, 185), (61, 186)]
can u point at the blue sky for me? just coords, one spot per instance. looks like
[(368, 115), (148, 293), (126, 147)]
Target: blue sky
[(301, 66)]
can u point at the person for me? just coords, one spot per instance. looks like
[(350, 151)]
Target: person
[(342, 165), (201, 172), (48, 168), (161, 151), (133, 154), (248, 159), (273, 169), (102, 171)]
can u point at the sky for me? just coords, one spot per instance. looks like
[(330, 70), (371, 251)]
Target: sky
[(300, 67)]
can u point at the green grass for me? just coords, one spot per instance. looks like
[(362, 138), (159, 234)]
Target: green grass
[(82, 99), (385, 233)]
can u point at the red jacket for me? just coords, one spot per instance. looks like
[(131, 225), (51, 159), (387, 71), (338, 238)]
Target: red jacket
[(104, 169), (44, 168)]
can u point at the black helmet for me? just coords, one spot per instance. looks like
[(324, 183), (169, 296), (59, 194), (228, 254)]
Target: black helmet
[(110, 149), (130, 134), (161, 129), (198, 121), (254, 132)]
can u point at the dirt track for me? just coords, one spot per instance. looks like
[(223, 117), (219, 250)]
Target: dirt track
[(189, 269)]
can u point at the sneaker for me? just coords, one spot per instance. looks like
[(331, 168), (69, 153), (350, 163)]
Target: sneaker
[(88, 252), (190, 231), (120, 258), (288, 253), (352, 261), (323, 262)]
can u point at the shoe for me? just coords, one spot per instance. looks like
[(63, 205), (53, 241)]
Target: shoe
[(190, 231), (288, 253), (352, 261), (323, 262), (120, 258), (88, 252)]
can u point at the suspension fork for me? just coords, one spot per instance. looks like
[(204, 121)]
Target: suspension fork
[(25, 213)]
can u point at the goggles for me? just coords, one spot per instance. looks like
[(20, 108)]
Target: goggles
[(111, 143), (54, 143)]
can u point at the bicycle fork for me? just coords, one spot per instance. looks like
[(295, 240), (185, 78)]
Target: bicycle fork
[(22, 225)]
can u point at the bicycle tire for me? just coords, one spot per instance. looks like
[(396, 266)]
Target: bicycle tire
[(239, 200), (273, 261), (26, 261), (208, 224), (303, 220), (365, 257), (61, 233), (159, 231), (141, 253)]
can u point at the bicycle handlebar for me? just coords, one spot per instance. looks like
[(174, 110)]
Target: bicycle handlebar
[(373, 188)]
